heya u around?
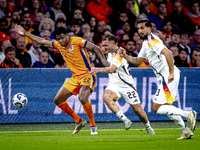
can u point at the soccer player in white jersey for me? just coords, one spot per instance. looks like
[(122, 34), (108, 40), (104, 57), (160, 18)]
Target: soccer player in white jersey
[(120, 84), (161, 60)]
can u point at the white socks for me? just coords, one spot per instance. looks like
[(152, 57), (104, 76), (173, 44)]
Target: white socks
[(171, 110), (121, 115), (179, 121), (147, 124)]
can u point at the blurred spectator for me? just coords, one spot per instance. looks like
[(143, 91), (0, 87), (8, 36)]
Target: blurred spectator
[(95, 62), (130, 48), (75, 27), (20, 6), (129, 9), (27, 17), (153, 26), (49, 14), (43, 4), (77, 15), (88, 36), (121, 37), (38, 18), (136, 36), (195, 56), (126, 26), (100, 10), (175, 39), (11, 5), (3, 37), (140, 17), (101, 26), (21, 53), (60, 23), (60, 16), (4, 25), (13, 36), (15, 17), (47, 24), (174, 50), (1, 14), (144, 8), (138, 46), (183, 22), (43, 61), (34, 52), (4, 7), (161, 14), (184, 44), (85, 28), (35, 7), (107, 31), (4, 45), (10, 59), (81, 5), (93, 24), (194, 13), (181, 59), (56, 5), (196, 40), (167, 29)]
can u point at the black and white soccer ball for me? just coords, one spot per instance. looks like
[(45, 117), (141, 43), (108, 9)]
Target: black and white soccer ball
[(19, 100)]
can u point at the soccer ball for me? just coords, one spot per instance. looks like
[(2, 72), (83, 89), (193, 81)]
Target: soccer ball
[(19, 100)]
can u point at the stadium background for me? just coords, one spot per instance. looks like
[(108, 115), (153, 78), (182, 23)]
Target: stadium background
[(41, 85)]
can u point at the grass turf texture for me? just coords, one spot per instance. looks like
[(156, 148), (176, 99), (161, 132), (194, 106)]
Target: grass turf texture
[(164, 139)]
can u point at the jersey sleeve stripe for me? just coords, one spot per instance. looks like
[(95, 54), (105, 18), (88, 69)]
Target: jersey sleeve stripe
[(85, 44), (85, 61), (53, 44)]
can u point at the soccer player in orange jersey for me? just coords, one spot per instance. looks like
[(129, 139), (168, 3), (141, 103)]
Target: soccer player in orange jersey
[(82, 83)]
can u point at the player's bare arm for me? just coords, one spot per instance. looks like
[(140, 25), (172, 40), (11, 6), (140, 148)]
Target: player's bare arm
[(111, 69), (170, 62), (98, 52), (37, 39), (134, 60)]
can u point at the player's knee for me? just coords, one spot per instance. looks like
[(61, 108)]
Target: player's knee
[(56, 101), (154, 108), (82, 99), (138, 111)]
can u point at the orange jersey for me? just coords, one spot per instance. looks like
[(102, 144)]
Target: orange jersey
[(75, 55)]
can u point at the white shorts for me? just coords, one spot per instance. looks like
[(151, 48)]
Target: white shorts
[(166, 93), (128, 93)]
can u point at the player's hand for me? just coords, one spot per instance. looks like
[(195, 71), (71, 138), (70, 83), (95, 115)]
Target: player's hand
[(171, 77), (122, 52), (20, 29), (93, 70)]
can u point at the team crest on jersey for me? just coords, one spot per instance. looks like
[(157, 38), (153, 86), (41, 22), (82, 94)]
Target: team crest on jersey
[(152, 42), (83, 41), (71, 48)]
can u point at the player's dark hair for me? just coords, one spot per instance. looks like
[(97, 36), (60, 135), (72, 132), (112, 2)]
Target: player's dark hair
[(146, 21), (61, 30), (109, 37), (9, 49)]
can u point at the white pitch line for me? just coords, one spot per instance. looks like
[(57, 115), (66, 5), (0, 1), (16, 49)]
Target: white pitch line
[(40, 131)]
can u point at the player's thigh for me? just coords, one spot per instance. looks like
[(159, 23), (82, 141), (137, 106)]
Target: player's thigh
[(130, 95), (166, 92), (62, 95), (88, 80), (112, 93)]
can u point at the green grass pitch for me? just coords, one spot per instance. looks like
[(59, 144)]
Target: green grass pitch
[(112, 139)]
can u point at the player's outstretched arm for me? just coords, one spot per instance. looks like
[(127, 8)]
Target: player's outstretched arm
[(134, 60), (111, 69), (170, 61), (98, 52), (37, 39)]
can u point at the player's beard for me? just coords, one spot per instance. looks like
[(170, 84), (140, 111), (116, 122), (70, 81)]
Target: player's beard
[(144, 37)]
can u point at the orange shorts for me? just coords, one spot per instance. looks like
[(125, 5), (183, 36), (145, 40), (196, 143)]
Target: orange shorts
[(75, 82)]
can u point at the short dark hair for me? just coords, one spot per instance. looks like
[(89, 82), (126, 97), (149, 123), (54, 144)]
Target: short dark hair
[(9, 49), (146, 21), (182, 49), (60, 20), (129, 41), (109, 37), (61, 30), (178, 32)]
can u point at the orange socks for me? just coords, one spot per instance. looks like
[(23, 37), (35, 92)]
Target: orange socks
[(89, 112), (68, 110)]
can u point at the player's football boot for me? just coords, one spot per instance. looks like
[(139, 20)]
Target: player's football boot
[(93, 130), (192, 119), (79, 126), (188, 135), (127, 123), (150, 130)]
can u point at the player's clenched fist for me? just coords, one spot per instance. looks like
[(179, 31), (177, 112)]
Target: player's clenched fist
[(122, 52), (93, 70)]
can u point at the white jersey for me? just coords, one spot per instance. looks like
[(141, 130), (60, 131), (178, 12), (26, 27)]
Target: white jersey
[(122, 75), (151, 50)]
